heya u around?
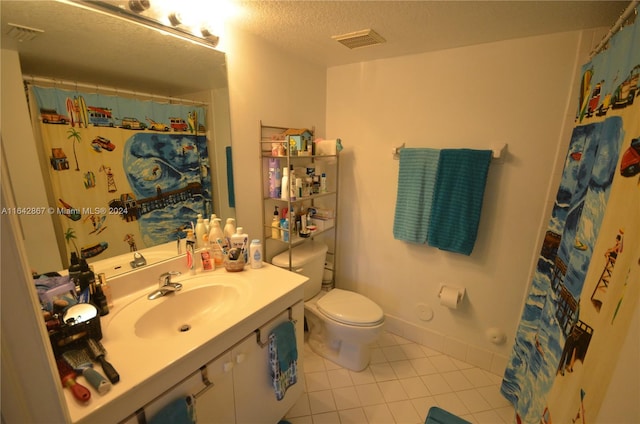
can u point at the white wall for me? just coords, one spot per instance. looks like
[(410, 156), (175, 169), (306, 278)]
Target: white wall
[(513, 92), (266, 84)]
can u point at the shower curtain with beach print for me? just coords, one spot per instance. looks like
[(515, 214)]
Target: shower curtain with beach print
[(124, 173), (586, 287)]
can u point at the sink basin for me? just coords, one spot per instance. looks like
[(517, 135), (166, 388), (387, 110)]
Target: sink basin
[(196, 307)]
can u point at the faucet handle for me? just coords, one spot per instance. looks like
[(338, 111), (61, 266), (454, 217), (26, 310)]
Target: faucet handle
[(166, 277)]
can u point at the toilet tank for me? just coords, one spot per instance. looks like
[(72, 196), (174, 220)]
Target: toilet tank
[(307, 259)]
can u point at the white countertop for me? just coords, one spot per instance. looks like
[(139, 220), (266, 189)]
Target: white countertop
[(150, 366)]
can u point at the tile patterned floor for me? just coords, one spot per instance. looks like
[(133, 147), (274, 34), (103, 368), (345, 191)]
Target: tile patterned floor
[(403, 380)]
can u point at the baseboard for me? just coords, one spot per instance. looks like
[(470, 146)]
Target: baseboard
[(455, 348)]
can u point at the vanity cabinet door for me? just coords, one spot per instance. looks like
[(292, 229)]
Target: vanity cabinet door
[(254, 394), (216, 404)]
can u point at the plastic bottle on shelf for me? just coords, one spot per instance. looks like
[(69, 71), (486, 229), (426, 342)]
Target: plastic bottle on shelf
[(240, 240), (275, 182), (284, 224), (275, 225), (292, 184), (284, 186), (216, 239), (200, 232), (255, 251), (323, 183)]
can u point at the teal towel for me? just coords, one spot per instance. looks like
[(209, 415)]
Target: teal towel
[(285, 336), (457, 199), (283, 358), (416, 181), (180, 411)]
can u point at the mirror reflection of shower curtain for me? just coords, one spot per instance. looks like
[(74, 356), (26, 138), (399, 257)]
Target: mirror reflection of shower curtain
[(585, 289), (124, 173)]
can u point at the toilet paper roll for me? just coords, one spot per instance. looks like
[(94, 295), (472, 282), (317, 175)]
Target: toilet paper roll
[(450, 297)]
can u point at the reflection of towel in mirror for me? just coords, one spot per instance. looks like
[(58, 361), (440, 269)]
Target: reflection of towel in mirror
[(416, 181), (457, 199), (283, 357), (180, 411)]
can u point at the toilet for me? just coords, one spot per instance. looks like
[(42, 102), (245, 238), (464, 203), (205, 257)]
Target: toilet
[(342, 324)]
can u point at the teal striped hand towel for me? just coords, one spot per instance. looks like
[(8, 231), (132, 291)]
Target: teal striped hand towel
[(416, 181), (457, 199)]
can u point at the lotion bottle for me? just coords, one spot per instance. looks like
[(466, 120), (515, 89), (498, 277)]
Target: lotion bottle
[(200, 232), (216, 238), (240, 241)]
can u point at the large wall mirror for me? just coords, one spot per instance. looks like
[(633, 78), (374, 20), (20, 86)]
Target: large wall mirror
[(73, 44)]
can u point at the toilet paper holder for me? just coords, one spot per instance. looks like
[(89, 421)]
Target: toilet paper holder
[(461, 291)]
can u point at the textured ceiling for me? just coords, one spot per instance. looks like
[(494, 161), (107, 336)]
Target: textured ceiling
[(306, 27), (84, 46)]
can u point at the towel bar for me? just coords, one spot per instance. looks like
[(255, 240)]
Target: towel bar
[(498, 151), (205, 380), (257, 331)]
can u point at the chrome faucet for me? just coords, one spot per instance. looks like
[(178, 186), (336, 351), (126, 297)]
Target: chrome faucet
[(165, 286)]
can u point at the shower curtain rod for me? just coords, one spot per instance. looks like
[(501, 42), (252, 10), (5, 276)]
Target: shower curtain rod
[(74, 84), (615, 28)]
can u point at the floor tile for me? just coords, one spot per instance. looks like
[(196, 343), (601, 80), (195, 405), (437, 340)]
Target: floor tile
[(326, 418), (352, 416), (423, 366), (369, 394), (322, 401), (414, 387), (452, 403), (477, 377), (378, 414), (301, 407), (403, 381), (362, 377), (404, 413), (436, 384), (339, 378), (412, 351), (346, 398), (457, 380), (473, 400), (403, 369), (394, 353), (443, 363), (392, 391), (383, 372), (317, 381)]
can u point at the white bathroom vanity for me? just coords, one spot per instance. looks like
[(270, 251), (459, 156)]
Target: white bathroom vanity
[(208, 340)]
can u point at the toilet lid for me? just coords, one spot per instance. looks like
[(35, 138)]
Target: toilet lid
[(351, 308)]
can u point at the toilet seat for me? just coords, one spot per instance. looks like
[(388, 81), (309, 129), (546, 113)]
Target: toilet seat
[(350, 308)]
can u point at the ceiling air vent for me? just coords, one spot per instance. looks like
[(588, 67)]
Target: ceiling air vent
[(364, 38), (23, 33)]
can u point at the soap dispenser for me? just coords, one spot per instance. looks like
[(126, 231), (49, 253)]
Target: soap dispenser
[(275, 225)]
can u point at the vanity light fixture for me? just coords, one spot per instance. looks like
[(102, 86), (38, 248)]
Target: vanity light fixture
[(139, 5), (142, 12), (175, 19)]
